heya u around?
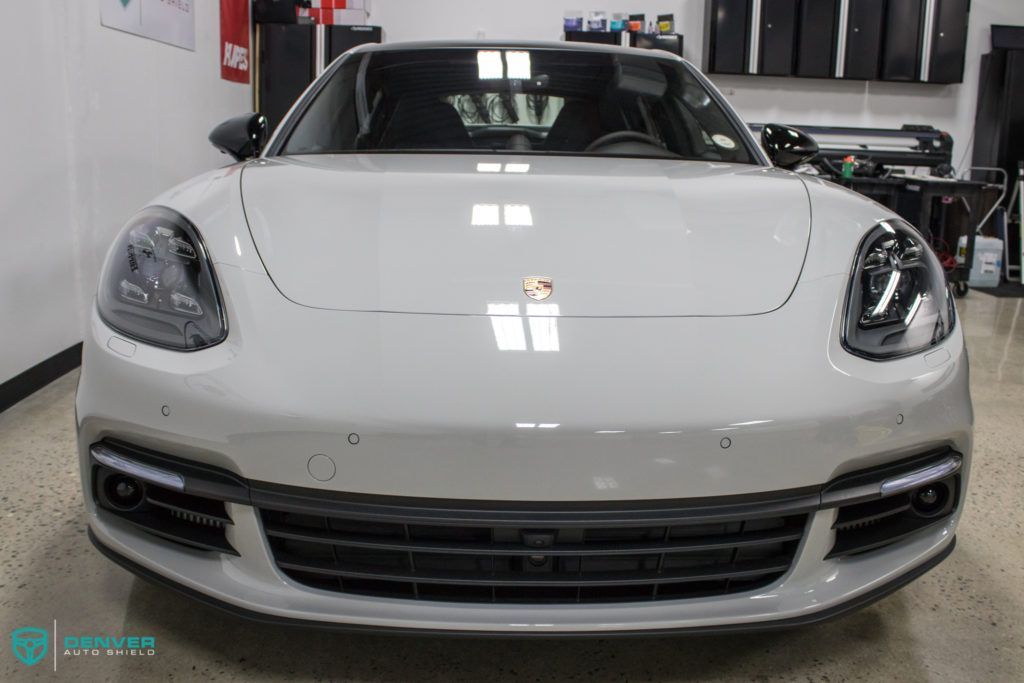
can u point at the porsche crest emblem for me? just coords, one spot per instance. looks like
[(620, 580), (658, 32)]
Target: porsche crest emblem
[(537, 288)]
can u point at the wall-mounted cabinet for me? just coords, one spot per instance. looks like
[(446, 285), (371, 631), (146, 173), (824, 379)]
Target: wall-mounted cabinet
[(865, 21), (948, 41), (892, 40), (816, 42), (777, 50), (901, 51), (727, 43)]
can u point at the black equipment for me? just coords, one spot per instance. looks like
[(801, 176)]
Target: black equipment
[(288, 52), (999, 123), (1007, 37), (341, 39), (277, 11), (284, 67), (944, 208), (598, 37), (878, 149), (670, 42)]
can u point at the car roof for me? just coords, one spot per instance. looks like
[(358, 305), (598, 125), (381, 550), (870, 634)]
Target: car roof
[(514, 45)]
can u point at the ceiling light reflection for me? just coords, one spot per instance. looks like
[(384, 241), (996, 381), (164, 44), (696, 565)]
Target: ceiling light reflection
[(510, 332), (518, 64), (486, 214), (511, 215), (490, 65), (488, 168), (518, 215), (507, 326), (517, 168), (543, 326)]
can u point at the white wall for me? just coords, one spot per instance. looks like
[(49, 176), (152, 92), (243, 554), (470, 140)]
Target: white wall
[(96, 123), (758, 99)]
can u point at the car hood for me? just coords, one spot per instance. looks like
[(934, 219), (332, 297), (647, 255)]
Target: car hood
[(457, 234)]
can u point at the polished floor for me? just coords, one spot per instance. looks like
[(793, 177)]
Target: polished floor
[(962, 622)]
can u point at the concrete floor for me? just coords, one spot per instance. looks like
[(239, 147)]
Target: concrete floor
[(962, 622)]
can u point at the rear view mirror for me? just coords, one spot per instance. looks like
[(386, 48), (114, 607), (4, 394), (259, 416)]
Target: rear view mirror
[(787, 147), (638, 79), (242, 137)]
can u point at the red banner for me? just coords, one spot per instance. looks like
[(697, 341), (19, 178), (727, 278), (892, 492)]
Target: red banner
[(235, 55)]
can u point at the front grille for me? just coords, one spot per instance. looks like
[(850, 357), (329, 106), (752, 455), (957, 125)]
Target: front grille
[(516, 561)]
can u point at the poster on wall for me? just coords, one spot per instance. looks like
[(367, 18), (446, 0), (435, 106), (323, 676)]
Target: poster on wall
[(168, 21), (234, 40)]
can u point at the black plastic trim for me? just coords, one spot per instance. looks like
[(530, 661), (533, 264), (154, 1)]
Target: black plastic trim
[(39, 375), (200, 480), (842, 491), (215, 482), (856, 603), (176, 533), (518, 514), (743, 540), (739, 570)]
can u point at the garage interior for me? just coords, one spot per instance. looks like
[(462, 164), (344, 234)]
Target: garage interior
[(928, 120)]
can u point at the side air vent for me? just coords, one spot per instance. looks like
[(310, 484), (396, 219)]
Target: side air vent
[(920, 494), (191, 520)]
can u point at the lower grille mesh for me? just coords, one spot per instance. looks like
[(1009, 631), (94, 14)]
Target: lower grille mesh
[(508, 563)]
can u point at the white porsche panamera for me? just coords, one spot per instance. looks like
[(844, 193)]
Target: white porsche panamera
[(522, 339)]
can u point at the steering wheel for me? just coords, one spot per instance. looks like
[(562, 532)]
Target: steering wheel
[(623, 136)]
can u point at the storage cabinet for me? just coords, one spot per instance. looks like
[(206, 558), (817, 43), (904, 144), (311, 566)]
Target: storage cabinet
[(778, 37), (285, 67), (864, 39), (816, 42), (340, 39), (893, 40), (949, 41), (901, 53), (728, 39)]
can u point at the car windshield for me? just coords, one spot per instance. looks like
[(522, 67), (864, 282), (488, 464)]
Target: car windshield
[(516, 101)]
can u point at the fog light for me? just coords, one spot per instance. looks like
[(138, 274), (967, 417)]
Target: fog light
[(123, 492), (929, 499)]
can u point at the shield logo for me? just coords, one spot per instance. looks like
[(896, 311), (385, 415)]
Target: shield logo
[(29, 645), (537, 288)]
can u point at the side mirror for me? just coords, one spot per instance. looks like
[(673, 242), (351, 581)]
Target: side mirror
[(242, 137), (787, 147)]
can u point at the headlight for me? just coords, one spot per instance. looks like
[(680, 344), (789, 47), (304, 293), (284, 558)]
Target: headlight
[(158, 284), (898, 303)]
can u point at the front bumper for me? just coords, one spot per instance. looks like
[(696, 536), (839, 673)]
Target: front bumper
[(808, 619), (825, 576), (433, 407)]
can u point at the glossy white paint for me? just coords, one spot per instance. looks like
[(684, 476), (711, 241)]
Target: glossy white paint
[(626, 391), (641, 405), (446, 234)]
